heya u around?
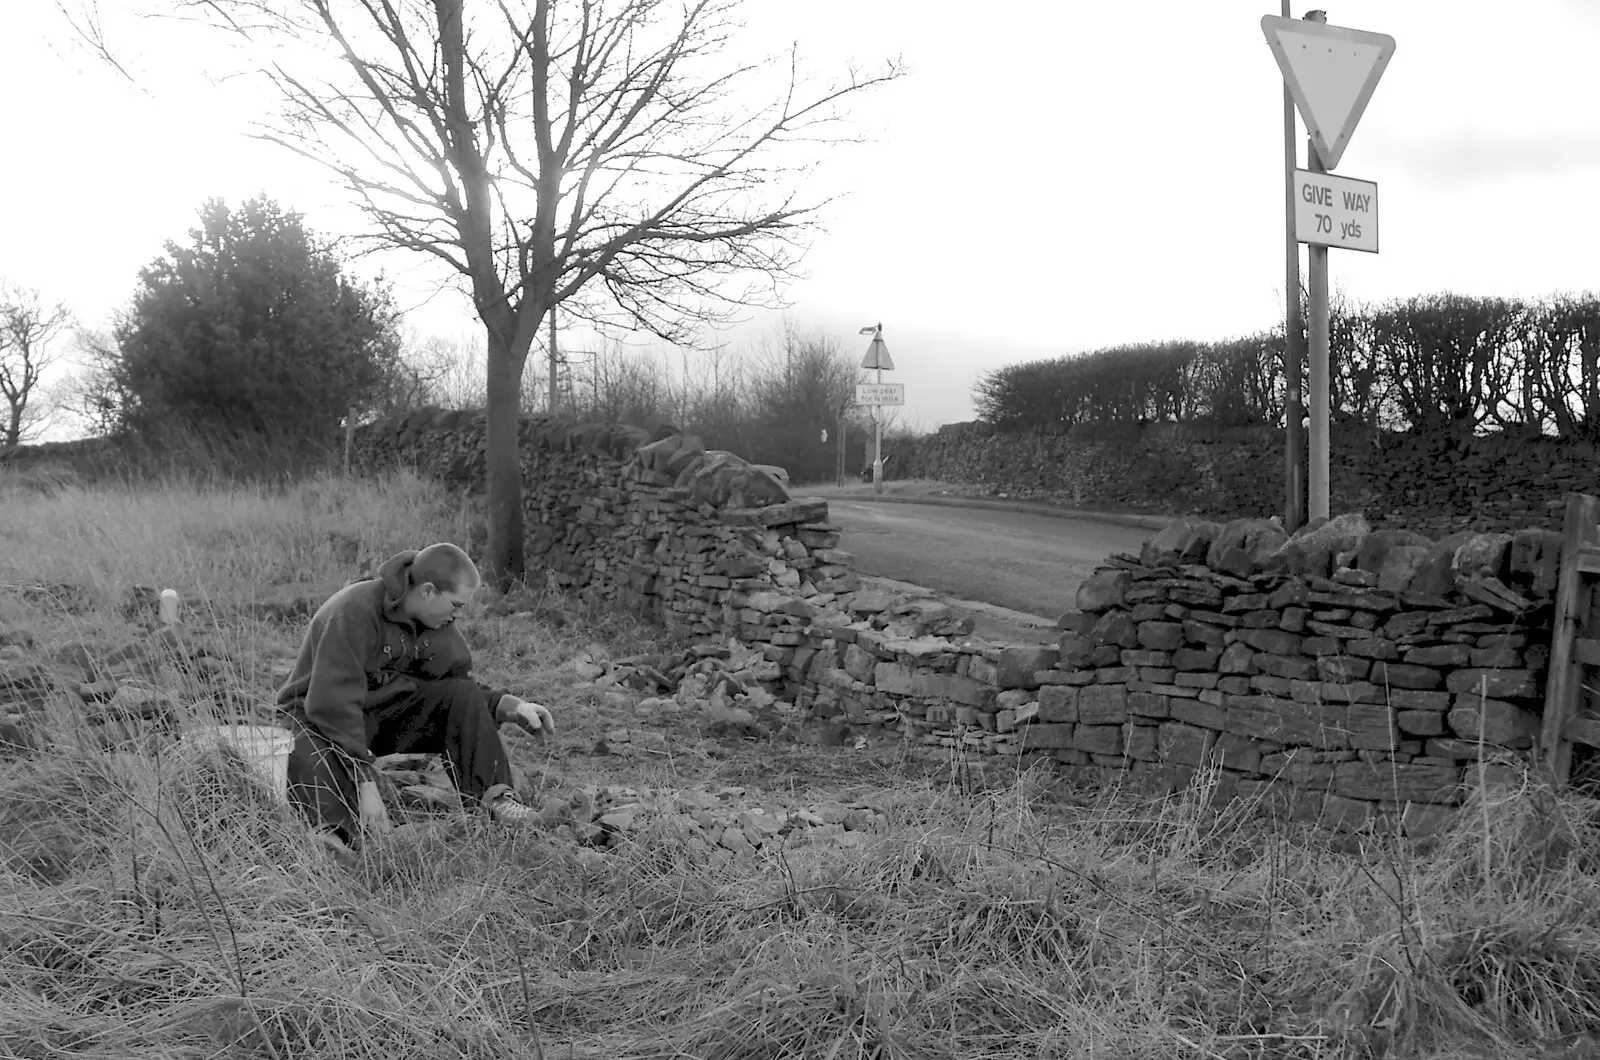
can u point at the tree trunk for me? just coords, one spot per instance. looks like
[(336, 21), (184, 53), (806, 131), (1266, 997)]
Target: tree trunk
[(503, 464)]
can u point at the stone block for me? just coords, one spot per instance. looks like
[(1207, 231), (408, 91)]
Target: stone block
[(1161, 636), (1103, 705), (1183, 744), (1046, 737), (1193, 659), (1287, 722), (1342, 814), (1098, 739), (1500, 658), (1373, 727), (1255, 539), (1139, 742), (1535, 560), (1116, 627), (1497, 684), (1102, 590), (1482, 556), (1187, 540), (1195, 712), (1197, 680), (1018, 664), (1313, 547), (1202, 634), (1343, 668), (1420, 820), (1435, 574), (1076, 651), (1149, 705), (1146, 657), (1237, 752), (1493, 721), (1300, 767), (893, 678), (1420, 722), (1288, 667), (1058, 704), (1443, 655), (1272, 641), (1237, 659), (1396, 781), (1405, 675), (1415, 699), (859, 663), (952, 689)]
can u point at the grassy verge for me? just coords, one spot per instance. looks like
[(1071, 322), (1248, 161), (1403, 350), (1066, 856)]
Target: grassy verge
[(154, 901)]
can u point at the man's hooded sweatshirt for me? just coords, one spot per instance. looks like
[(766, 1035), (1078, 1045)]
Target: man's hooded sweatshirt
[(361, 653)]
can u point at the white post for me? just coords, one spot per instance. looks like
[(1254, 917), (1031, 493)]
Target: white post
[(877, 428)]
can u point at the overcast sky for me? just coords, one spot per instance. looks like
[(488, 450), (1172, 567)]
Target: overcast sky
[(1051, 176)]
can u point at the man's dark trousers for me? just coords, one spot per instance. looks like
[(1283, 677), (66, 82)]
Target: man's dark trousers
[(452, 717)]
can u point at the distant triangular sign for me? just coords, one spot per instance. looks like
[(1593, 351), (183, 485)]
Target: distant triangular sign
[(1331, 72), (878, 355)]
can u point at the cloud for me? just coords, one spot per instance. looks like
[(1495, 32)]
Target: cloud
[(1463, 158)]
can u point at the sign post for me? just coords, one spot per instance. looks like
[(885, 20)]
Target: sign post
[(878, 359), (1294, 355), (1330, 73)]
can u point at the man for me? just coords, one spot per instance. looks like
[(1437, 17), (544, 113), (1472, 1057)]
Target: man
[(384, 670)]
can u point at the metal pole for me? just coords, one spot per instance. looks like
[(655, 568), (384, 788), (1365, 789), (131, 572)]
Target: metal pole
[(1293, 352), (839, 448), (877, 445), (1317, 499), (1317, 262)]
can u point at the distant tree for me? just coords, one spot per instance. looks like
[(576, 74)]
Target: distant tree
[(798, 388), (28, 327), (252, 326)]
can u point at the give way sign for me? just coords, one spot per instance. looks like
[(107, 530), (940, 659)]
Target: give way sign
[(1331, 72)]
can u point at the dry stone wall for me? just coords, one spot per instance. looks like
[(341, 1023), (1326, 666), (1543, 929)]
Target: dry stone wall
[(646, 518), (1342, 674)]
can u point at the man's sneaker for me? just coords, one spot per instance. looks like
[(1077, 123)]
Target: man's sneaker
[(511, 810)]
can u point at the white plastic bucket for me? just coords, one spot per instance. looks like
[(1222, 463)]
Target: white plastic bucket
[(264, 748)]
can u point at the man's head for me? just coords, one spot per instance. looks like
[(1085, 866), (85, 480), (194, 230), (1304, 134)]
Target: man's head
[(441, 582)]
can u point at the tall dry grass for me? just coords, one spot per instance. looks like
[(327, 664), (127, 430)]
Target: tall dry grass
[(155, 901)]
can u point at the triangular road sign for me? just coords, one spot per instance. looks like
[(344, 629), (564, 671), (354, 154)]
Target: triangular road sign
[(878, 355), (1331, 72)]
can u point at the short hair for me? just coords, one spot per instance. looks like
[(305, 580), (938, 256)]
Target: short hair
[(446, 566)]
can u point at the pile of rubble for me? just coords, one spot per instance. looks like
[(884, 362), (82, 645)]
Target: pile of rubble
[(716, 827)]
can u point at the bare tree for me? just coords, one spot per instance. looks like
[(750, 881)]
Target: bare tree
[(539, 148), (28, 326)]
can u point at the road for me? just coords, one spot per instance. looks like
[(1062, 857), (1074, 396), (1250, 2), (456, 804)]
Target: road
[(1019, 560)]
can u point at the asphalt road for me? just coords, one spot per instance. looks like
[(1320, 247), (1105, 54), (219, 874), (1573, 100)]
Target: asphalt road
[(1018, 560)]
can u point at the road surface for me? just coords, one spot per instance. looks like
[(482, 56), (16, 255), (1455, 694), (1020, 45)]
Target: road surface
[(1019, 560)]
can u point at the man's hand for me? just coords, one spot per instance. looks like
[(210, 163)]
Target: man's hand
[(369, 804), (534, 717)]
